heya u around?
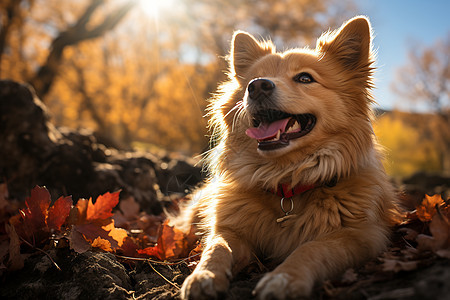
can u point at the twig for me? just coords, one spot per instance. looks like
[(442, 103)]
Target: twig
[(158, 262), (48, 255), (162, 276)]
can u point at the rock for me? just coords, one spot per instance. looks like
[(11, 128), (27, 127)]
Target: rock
[(69, 162)]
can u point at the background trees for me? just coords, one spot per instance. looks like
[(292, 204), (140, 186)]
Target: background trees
[(142, 79), (133, 77), (425, 82)]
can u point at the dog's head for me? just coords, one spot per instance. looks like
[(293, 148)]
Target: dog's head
[(303, 114)]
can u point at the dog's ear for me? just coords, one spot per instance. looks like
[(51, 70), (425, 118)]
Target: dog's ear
[(351, 45), (245, 50)]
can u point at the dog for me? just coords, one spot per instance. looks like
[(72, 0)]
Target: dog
[(296, 174)]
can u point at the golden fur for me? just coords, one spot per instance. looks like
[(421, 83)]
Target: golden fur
[(331, 228)]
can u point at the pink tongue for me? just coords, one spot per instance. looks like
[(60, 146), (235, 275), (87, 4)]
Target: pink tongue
[(267, 131)]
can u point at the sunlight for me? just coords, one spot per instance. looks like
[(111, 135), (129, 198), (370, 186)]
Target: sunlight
[(155, 7)]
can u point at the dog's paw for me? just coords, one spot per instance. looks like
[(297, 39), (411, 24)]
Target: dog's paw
[(204, 284), (280, 286)]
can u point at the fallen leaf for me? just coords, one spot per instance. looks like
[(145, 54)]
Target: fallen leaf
[(77, 242), (37, 206), (129, 247), (397, 265), (427, 209), (349, 276), (3, 195), (108, 232), (102, 208), (58, 213), (129, 208), (105, 245), (443, 253), (118, 234), (128, 213), (410, 234), (440, 231), (80, 214), (172, 243), (15, 261)]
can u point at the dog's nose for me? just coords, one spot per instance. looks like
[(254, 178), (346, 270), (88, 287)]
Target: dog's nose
[(260, 87)]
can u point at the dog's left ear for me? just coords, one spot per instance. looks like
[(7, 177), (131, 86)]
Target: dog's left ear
[(351, 44), (245, 50)]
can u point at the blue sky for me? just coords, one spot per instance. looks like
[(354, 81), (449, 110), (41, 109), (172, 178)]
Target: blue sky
[(397, 24)]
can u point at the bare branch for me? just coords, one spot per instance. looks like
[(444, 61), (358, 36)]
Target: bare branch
[(46, 74)]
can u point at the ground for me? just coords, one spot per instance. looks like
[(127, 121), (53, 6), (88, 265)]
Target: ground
[(416, 265)]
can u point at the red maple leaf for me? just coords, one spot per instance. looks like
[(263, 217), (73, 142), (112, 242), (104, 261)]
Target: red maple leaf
[(37, 206), (39, 218), (58, 213)]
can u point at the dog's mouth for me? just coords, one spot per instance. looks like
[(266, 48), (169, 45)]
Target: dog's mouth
[(274, 129)]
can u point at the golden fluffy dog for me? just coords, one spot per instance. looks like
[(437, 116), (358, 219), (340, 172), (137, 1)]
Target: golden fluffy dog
[(296, 175)]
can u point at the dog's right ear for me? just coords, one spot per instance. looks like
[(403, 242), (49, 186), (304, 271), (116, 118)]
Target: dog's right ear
[(245, 50)]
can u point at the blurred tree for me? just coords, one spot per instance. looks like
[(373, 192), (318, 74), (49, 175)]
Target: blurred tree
[(87, 26), (292, 23), (148, 79), (12, 17), (425, 79), (426, 76), (408, 150)]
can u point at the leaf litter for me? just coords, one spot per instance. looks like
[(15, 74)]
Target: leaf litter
[(121, 228)]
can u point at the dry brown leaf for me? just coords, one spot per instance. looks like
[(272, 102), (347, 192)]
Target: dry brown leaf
[(393, 265), (129, 208), (15, 261), (440, 230), (349, 276), (77, 241), (3, 195)]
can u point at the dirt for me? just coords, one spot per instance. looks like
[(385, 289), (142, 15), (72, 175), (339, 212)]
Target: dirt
[(99, 275)]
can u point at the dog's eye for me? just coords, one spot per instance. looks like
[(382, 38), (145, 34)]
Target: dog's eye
[(303, 78)]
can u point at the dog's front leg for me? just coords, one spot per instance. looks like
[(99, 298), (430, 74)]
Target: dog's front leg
[(317, 260), (224, 255)]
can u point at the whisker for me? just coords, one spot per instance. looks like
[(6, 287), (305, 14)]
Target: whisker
[(238, 115), (237, 106)]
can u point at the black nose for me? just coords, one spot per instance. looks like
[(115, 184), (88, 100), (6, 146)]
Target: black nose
[(260, 87)]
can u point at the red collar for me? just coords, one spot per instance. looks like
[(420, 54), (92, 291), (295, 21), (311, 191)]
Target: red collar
[(285, 190)]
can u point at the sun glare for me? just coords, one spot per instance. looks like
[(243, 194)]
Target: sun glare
[(155, 8)]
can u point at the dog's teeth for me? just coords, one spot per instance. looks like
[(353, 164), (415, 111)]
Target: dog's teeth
[(278, 135), (294, 127)]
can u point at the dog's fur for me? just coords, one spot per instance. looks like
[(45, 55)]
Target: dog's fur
[(332, 226)]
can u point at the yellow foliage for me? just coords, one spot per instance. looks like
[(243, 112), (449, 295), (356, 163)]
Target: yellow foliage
[(407, 151)]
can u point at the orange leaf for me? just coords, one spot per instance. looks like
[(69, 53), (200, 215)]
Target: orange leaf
[(58, 213), (108, 232), (102, 244), (172, 243), (118, 234), (102, 207), (427, 209)]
